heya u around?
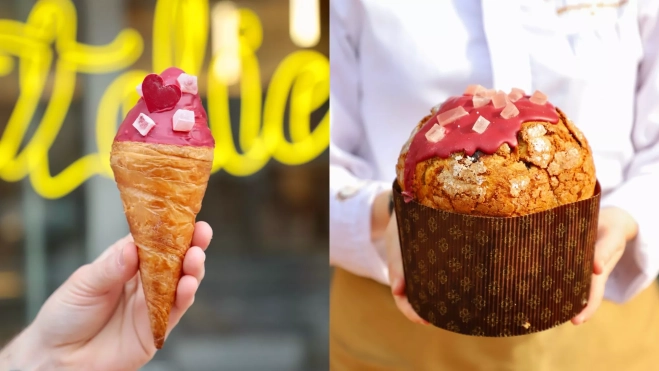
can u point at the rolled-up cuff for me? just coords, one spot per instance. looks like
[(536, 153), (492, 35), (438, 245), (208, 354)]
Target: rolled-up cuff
[(639, 264), (351, 247)]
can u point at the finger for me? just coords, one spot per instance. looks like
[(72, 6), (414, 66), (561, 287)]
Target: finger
[(203, 233), (116, 268), (601, 252), (597, 285), (406, 308), (394, 257), (404, 305), (185, 295), (613, 261), (193, 263), (397, 275), (115, 246), (598, 266), (608, 250)]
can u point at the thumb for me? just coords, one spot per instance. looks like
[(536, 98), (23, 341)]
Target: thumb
[(394, 258), (397, 274), (608, 250), (110, 271)]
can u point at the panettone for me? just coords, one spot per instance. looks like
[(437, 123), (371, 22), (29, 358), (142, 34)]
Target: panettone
[(495, 154), (501, 239)]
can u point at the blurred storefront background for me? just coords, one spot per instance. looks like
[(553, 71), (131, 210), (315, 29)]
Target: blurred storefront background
[(264, 78)]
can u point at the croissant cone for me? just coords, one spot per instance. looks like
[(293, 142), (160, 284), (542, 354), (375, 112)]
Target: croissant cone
[(162, 187)]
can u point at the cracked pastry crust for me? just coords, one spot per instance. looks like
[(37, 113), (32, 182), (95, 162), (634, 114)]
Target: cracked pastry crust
[(551, 166), (162, 186)]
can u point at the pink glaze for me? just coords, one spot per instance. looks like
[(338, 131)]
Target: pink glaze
[(163, 132), (460, 137)]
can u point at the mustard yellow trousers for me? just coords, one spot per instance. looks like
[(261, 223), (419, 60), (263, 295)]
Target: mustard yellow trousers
[(367, 332)]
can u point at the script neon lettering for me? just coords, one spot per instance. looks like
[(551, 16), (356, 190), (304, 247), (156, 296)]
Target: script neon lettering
[(52, 23)]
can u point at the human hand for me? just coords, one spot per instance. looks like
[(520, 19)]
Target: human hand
[(397, 274), (98, 319), (615, 228)]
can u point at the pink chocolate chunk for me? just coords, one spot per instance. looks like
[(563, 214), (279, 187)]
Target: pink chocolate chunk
[(480, 101), (516, 94), (451, 115), (480, 125), (510, 111), (474, 89), (436, 133), (538, 98), (500, 100), (188, 83), (183, 120), (488, 93), (143, 124)]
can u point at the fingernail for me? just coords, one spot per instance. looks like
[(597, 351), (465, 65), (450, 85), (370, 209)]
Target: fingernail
[(120, 259), (395, 285)]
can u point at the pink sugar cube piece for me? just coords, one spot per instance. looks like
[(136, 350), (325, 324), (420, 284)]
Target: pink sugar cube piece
[(500, 99), (474, 89), (451, 115), (139, 90), (510, 111), (188, 83), (488, 93), (539, 98), (480, 101), (516, 94), (183, 120), (436, 133), (480, 125), (143, 124)]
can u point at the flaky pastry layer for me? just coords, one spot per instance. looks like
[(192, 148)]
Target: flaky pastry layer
[(162, 187)]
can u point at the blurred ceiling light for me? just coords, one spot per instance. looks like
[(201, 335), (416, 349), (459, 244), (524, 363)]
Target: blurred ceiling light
[(304, 22), (225, 27)]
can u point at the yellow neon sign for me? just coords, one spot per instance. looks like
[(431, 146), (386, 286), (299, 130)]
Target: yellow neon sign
[(176, 42)]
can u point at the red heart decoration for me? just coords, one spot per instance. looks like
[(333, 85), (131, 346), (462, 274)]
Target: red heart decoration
[(158, 96)]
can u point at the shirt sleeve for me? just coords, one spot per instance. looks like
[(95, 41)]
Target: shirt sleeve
[(639, 265), (352, 184)]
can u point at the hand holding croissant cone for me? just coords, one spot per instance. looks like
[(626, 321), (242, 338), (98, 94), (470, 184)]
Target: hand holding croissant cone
[(106, 317), (98, 319)]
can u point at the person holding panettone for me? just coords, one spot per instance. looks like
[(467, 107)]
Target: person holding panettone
[(394, 61)]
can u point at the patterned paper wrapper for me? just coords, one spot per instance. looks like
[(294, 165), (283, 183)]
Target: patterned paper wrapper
[(495, 276)]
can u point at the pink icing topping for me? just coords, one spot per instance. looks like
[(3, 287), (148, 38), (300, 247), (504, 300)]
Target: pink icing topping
[(163, 132), (460, 136)]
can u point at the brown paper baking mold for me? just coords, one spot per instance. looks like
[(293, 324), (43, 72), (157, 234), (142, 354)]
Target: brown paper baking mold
[(493, 276)]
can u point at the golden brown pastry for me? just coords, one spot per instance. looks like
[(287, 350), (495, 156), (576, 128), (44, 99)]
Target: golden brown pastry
[(496, 154), (161, 159)]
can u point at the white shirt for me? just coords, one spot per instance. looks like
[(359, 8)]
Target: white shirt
[(392, 60)]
